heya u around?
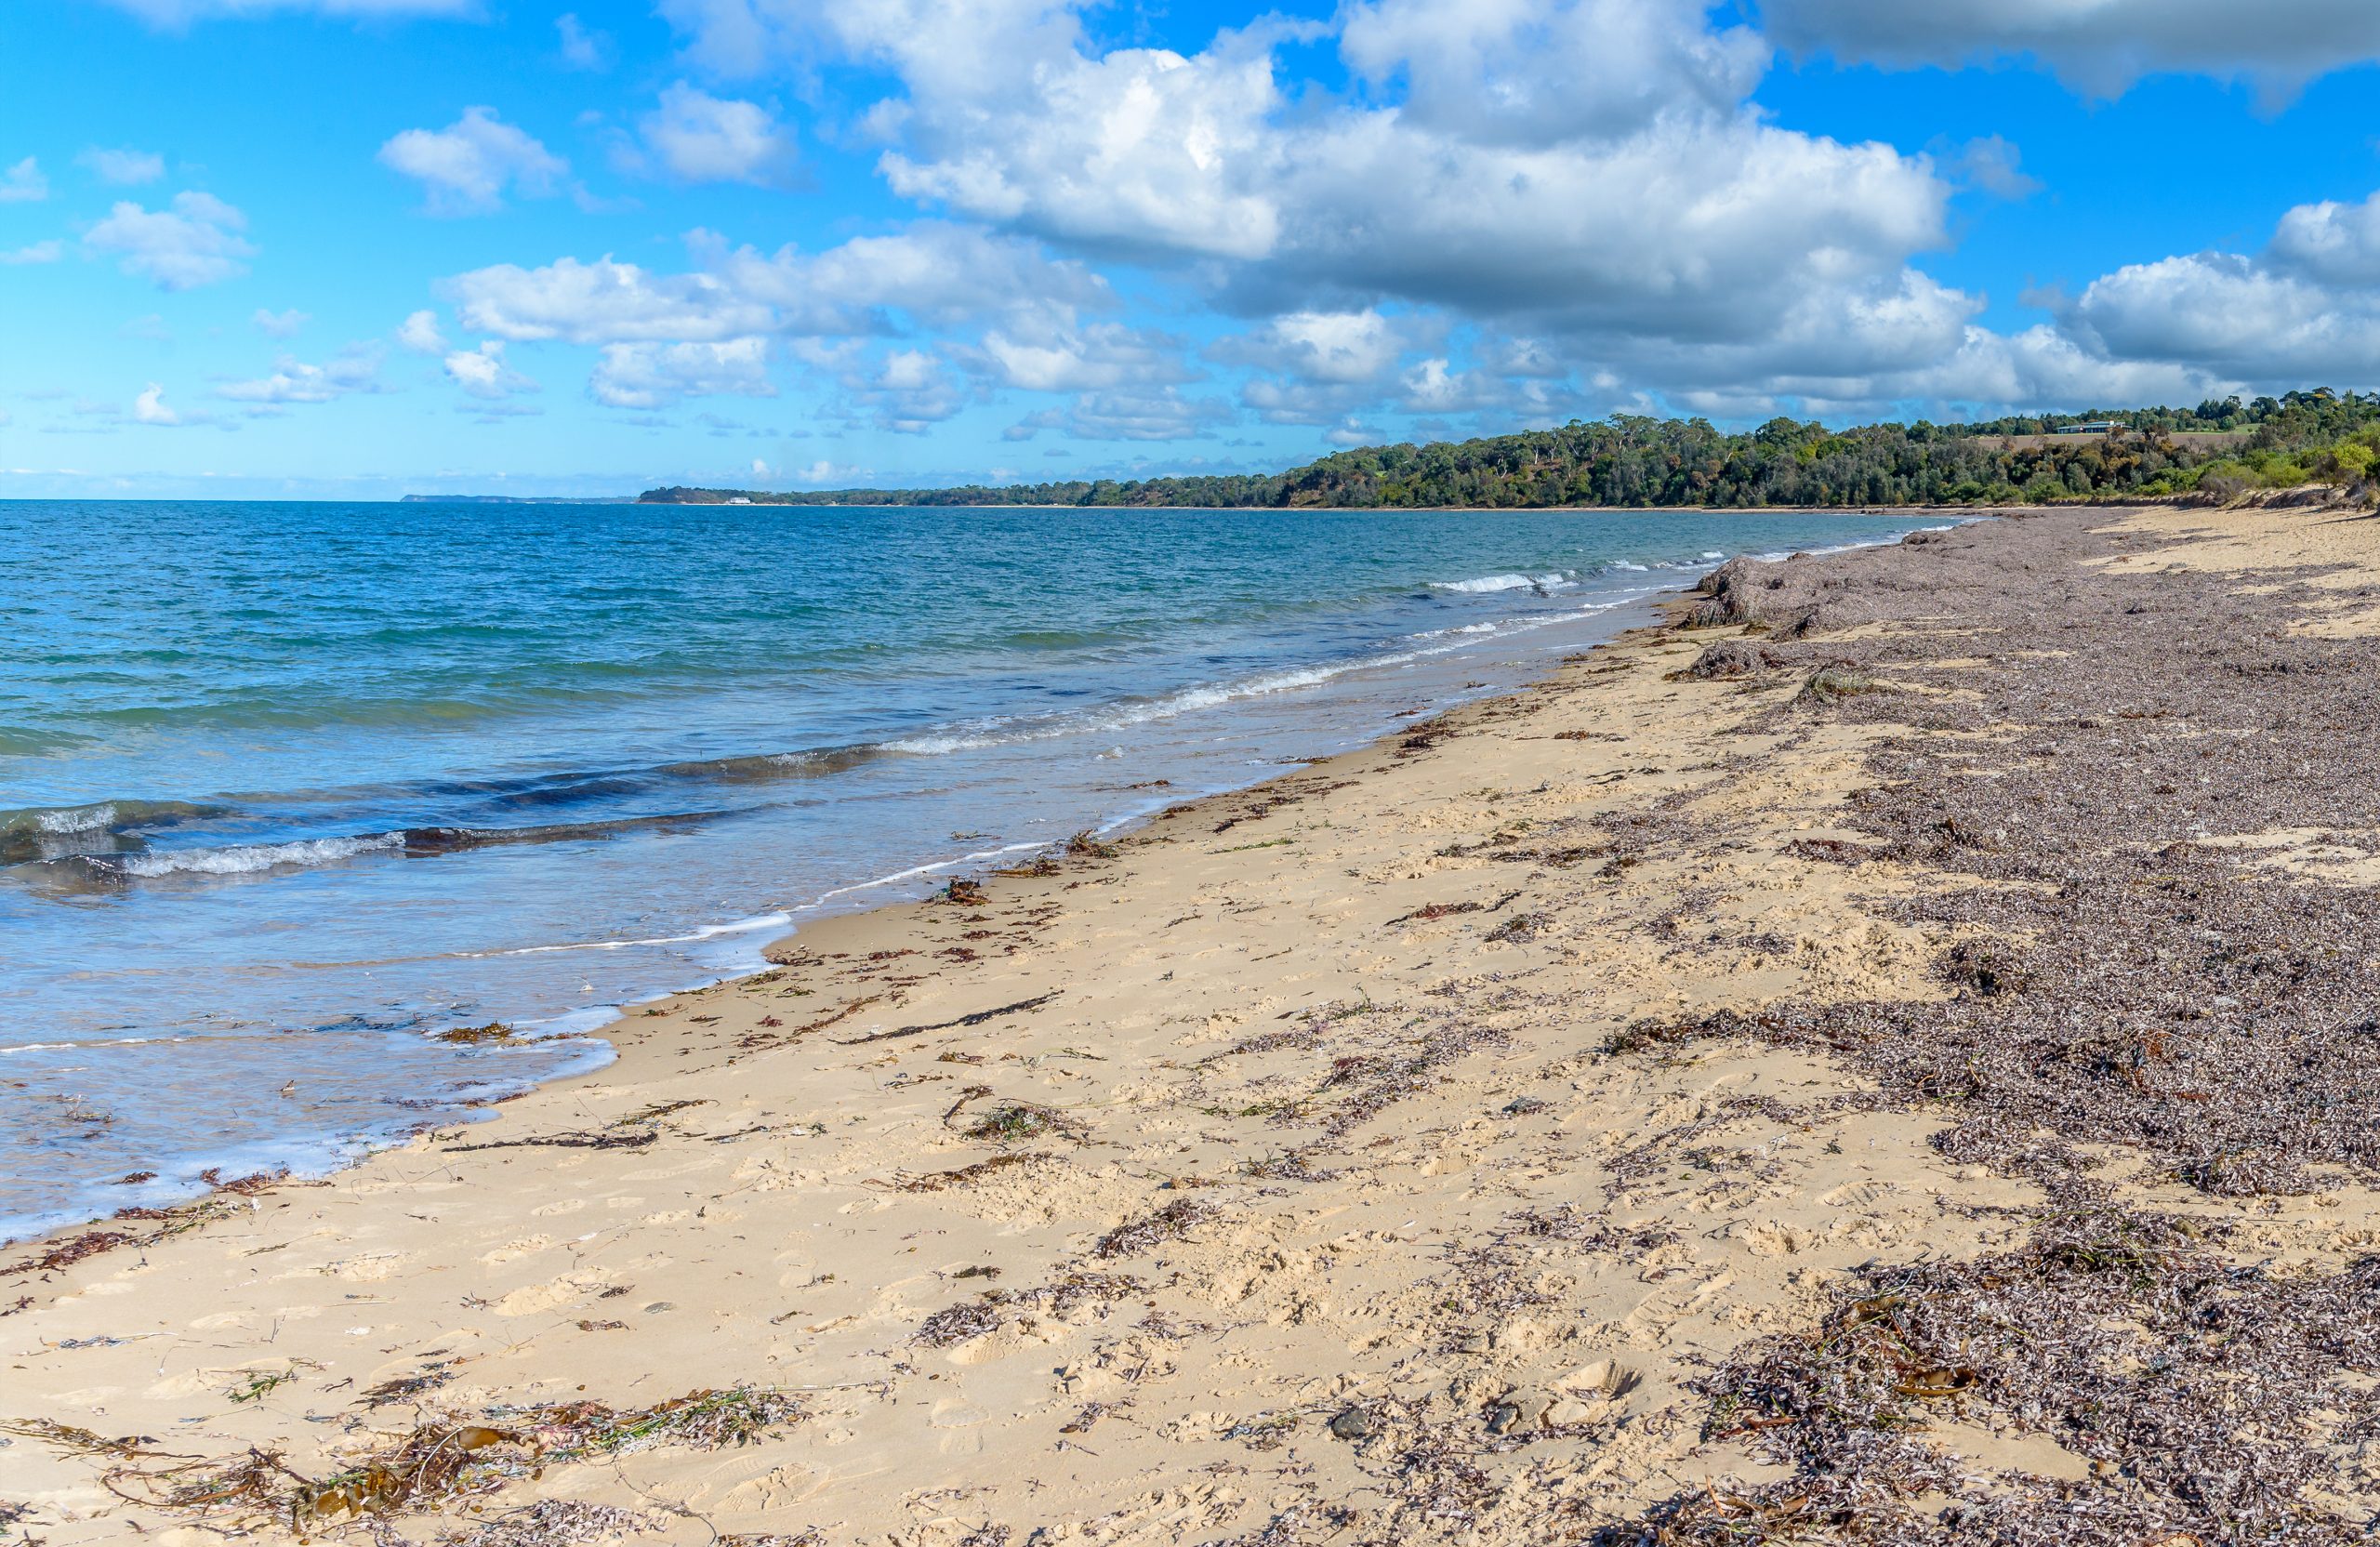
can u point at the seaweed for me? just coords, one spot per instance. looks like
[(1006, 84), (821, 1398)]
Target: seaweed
[(1170, 1224)]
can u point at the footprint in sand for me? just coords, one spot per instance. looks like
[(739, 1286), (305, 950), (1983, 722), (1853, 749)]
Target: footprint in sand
[(512, 1251)]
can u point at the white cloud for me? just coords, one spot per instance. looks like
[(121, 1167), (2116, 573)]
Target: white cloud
[(280, 324), (1342, 346), (195, 243), (467, 167), (124, 167), (1583, 169), (910, 391), (419, 333), (1995, 165), (1057, 353), (182, 13), (482, 373), (655, 376), (23, 183), (1161, 414), (937, 274), (148, 408), (39, 252), (2098, 47), (582, 50), (698, 138), (2331, 243), (293, 381)]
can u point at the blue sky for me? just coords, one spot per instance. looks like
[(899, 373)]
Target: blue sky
[(356, 249)]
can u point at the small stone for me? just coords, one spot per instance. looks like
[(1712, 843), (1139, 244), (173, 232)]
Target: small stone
[(1503, 1416), (1353, 1423)]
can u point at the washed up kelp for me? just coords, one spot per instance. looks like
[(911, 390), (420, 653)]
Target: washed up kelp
[(437, 1461)]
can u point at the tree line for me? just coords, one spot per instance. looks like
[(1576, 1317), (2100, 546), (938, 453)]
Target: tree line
[(2218, 449)]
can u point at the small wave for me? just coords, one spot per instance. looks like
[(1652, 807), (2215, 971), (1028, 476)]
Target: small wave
[(240, 860), (47, 832), (1486, 584), (815, 762), (252, 859), (425, 842)]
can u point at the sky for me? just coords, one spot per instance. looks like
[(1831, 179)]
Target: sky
[(361, 248)]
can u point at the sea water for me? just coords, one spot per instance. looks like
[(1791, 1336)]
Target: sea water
[(288, 788)]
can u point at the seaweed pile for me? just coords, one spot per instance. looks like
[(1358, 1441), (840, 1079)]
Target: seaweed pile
[(2145, 993)]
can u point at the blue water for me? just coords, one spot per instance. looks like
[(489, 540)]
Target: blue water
[(283, 787)]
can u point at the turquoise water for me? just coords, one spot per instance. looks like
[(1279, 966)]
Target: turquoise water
[(285, 786)]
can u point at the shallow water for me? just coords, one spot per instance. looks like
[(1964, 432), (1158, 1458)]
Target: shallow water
[(283, 787)]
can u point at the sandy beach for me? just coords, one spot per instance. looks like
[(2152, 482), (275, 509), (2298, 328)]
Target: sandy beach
[(1889, 1056)]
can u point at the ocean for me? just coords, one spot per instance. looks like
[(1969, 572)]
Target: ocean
[(286, 789)]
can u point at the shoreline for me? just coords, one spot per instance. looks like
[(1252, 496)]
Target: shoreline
[(1372, 1138), (594, 1024)]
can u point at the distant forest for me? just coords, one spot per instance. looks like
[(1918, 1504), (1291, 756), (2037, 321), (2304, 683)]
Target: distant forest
[(2220, 449)]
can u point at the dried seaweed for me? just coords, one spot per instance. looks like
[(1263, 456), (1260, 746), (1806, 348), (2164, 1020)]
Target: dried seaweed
[(1170, 1224), (935, 1182)]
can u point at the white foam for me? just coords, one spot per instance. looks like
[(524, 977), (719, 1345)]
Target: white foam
[(249, 859), (81, 819), (1487, 584), (708, 931)]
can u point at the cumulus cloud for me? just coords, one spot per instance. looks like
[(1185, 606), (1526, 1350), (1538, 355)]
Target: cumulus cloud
[(39, 252), (280, 324), (467, 167), (694, 136), (935, 274), (482, 373), (150, 408), (582, 50), (1162, 414), (125, 167), (2098, 47), (293, 381), (909, 391), (1587, 170), (23, 183), (195, 241), (1056, 352), (419, 333), (655, 375)]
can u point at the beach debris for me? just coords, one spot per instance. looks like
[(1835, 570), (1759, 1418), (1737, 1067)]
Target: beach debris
[(1170, 1224), (68, 1253), (495, 1031), (639, 1140), (1830, 684), (984, 1314), (1087, 845), (965, 891), (563, 1523), (1730, 658), (1520, 929), (404, 1388), (1355, 1423), (975, 1018), (1016, 1122), (454, 1456), (1447, 910), (935, 1182)]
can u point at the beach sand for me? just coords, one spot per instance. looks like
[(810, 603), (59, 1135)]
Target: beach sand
[(1652, 1105)]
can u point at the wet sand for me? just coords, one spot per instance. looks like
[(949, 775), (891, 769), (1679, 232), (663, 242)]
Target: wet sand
[(1894, 1059)]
